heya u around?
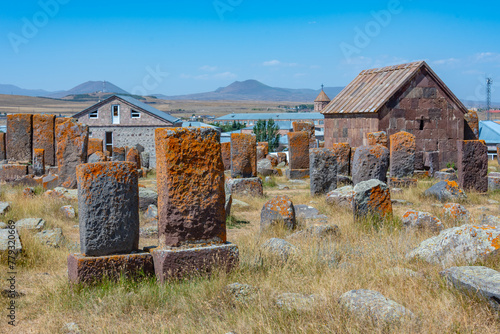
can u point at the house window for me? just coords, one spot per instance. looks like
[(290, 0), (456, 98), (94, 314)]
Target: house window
[(136, 114), (94, 114)]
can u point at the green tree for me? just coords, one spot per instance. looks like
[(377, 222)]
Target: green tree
[(267, 131)]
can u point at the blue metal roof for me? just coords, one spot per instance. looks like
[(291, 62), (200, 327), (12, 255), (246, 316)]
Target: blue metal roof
[(282, 125), (197, 124), (274, 116), (149, 108), (489, 131)]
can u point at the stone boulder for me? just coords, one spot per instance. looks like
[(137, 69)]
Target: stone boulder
[(451, 176), (297, 301), (464, 243), (446, 191), (147, 196), (36, 224), (246, 187), (68, 211), (278, 249), (278, 210), (6, 238), (457, 212), (4, 207), (242, 292), (372, 198), (476, 281), (309, 213), (97, 157), (372, 304), (53, 238), (343, 197), (370, 162), (421, 220)]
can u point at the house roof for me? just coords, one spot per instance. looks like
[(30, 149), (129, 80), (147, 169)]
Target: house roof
[(322, 97), (489, 131), (282, 125), (273, 116), (197, 124), (372, 89), (135, 103)]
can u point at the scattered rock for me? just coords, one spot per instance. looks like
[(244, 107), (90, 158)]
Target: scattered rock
[(373, 304), (53, 238), (450, 176), (71, 328), (151, 213), (343, 197), (372, 198), (302, 182), (400, 202), (278, 210), (396, 190), (457, 212), (308, 213), (68, 211), (297, 301), (446, 191), (242, 292), (421, 220), (147, 197), (149, 231), (490, 220), (4, 207), (464, 243), (317, 231), (4, 240), (474, 281), (29, 192), (268, 179), (278, 248), (246, 187), (31, 224)]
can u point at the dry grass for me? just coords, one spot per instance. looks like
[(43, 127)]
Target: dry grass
[(360, 258)]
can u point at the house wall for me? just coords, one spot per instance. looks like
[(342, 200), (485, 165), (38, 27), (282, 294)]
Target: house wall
[(349, 128)]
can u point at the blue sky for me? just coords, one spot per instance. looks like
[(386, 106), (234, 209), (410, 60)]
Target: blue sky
[(179, 47)]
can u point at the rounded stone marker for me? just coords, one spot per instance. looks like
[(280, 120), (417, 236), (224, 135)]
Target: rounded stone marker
[(108, 205)]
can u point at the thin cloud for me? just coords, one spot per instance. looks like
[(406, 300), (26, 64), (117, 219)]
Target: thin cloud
[(448, 61), (276, 63), (208, 68)]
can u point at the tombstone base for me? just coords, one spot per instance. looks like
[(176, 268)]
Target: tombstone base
[(297, 174), (184, 262), (13, 172), (93, 269), (402, 182)]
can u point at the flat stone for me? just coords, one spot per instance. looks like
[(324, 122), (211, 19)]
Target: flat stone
[(401, 202), (343, 197), (242, 292), (421, 220), (476, 281), (246, 187), (457, 212), (306, 212), (492, 201), (30, 224), (178, 262), (71, 328), (89, 269), (446, 176), (464, 243), (493, 183), (278, 248), (372, 304), (53, 238), (6, 235), (490, 220), (297, 301), (13, 172), (446, 191), (4, 207), (68, 211)]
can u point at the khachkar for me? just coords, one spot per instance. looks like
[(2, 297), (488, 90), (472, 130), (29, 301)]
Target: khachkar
[(108, 202), (298, 150), (191, 198)]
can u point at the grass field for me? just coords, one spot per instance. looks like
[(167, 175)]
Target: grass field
[(364, 258)]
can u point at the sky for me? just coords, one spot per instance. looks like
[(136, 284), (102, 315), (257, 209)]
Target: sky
[(182, 47)]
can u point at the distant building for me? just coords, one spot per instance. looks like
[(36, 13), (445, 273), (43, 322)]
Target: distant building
[(489, 131), (408, 97), (121, 120), (250, 119), (321, 101)]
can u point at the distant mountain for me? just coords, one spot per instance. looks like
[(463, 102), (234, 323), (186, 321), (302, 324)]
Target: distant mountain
[(14, 90), (256, 91), (90, 87)]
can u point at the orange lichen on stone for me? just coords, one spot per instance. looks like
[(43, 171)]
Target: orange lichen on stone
[(282, 158), (190, 175), (226, 155), (473, 122), (134, 156), (452, 186), (273, 159), (72, 141), (19, 137), (95, 145), (44, 136), (376, 138), (265, 147), (298, 148), (243, 155), (343, 153), (304, 126), (10, 172), (380, 201)]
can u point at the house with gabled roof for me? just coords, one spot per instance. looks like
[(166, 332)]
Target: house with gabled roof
[(122, 120), (408, 97)]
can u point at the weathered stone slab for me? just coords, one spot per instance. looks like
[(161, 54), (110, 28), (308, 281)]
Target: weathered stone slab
[(246, 187), (493, 183), (372, 304), (421, 220), (297, 174), (38, 161), (50, 181), (466, 243), (134, 156), (402, 156), (108, 208), (19, 137), (97, 157), (309, 128), (243, 155), (298, 150), (147, 197), (405, 182), (95, 145), (471, 131), (323, 171), (88, 269), (10, 173), (226, 155), (278, 210), (118, 154), (3, 156), (30, 224), (376, 138), (273, 159), (176, 263), (44, 136), (476, 281), (446, 191), (343, 197), (53, 238), (262, 150), (445, 176), (343, 153), (431, 161), (190, 177), (145, 159), (282, 158), (472, 165), (72, 140), (372, 199), (370, 162)]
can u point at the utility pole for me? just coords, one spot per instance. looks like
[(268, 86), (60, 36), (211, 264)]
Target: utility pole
[(489, 82)]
